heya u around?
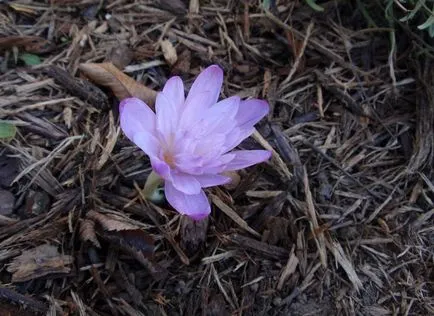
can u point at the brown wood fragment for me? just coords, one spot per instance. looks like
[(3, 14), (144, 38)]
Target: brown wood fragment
[(261, 248), (83, 89), (193, 234)]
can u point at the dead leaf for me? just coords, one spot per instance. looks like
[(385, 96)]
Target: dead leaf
[(169, 52), (111, 222), (32, 44), (87, 232), (125, 235), (38, 262), (123, 86)]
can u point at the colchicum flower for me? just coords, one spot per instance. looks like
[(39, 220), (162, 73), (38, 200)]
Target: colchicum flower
[(190, 141)]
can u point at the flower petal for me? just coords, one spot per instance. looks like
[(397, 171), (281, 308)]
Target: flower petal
[(218, 164), (195, 107), (246, 158), (167, 116), (189, 163), (235, 137), (185, 183), (174, 90), (220, 117), (196, 206), (147, 142), (161, 168), (251, 112), (209, 80), (211, 180), (135, 117)]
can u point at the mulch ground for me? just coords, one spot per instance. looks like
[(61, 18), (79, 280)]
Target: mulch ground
[(339, 222)]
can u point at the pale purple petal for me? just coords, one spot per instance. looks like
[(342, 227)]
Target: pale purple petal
[(211, 180), (189, 163), (211, 146), (135, 117), (161, 168), (185, 183), (167, 116), (174, 90), (210, 80), (195, 206), (235, 137), (247, 158), (147, 142), (195, 107), (220, 118), (251, 112), (218, 164)]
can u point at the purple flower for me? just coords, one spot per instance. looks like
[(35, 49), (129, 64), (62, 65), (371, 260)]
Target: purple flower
[(190, 141)]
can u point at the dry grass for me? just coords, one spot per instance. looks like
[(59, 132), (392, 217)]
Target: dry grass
[(340, 222)]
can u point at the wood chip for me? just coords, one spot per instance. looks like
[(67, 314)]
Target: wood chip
[(311, 213), (169, 52), (289, 269), (233, 215), (345, 263), (38, 262)]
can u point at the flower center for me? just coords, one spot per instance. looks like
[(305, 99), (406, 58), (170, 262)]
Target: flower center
[(169, 159)]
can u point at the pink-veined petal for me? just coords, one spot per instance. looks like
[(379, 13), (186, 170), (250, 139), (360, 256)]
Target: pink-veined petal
[(147, 142), (135, 117), (247, 158), (211, 180), (251, 112), (195, 206), (185, 183), (167, 116), (174, 90), (210, 80)]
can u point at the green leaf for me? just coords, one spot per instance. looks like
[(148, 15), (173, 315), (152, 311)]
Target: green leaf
[(314, 6), (30, 59), (7, 130)]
